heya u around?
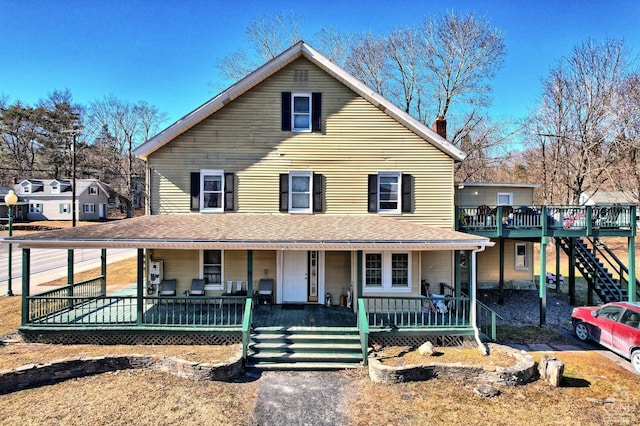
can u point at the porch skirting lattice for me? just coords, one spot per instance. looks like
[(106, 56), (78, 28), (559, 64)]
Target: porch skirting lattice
[(97, 337)]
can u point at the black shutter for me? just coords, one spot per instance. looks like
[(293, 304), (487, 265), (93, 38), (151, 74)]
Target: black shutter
[(407, 190), (284, 192), (229, 192), (195, 191), (317, 192), (316, 111), (373, 194), (286, 110)]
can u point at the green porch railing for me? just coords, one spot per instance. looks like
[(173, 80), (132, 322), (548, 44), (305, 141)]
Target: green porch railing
[(246, 326), (487, 320), (417, 312), (363, 329), (567, 218), (57, 300), (227, 311)]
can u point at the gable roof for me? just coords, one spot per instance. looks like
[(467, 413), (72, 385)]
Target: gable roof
[(608, 197), (300, 49)]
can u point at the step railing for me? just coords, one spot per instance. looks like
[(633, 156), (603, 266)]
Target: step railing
[(246, 326), (487, 320), (363, 330), (615, 263)]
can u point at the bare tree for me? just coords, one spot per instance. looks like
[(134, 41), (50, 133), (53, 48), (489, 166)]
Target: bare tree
[(122, 126), (267, 36), (368, 62), (575, 126)]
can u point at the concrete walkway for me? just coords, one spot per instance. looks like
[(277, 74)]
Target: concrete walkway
[(300, 398)]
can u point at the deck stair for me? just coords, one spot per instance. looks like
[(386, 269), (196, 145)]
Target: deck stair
[(590, 258), (304, 348)]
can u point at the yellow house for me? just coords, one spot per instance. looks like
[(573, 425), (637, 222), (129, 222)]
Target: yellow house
[(298, 178)]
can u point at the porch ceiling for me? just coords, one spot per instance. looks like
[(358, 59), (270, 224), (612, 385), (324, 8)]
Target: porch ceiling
[(256, 231)]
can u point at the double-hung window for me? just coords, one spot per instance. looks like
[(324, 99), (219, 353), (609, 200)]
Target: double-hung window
[(505, 198), (35, 208), (89, 208), (389, 192), (212, 184), (300, 192), (387, 271), (65, 208), (93, 190), (301, 112)]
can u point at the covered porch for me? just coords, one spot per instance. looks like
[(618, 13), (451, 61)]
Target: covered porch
[(87, 310)]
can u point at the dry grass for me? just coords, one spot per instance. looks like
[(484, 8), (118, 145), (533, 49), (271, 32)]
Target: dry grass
[(132, 397), (594, 392), (405, 355)]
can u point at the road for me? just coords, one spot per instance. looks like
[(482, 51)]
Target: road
[(50, 264)]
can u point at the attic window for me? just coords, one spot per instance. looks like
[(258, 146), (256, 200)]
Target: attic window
[(300, 75), (55, 188)]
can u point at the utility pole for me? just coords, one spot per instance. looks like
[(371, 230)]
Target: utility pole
[(74, 133)]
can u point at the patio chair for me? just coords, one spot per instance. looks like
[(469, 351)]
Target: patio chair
[(197, 288), (265, 291), (167, 288)]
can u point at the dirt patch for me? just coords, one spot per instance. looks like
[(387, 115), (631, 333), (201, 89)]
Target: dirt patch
[(404, 355)]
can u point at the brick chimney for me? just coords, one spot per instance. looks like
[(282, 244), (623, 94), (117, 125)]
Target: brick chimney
[(440, 126)]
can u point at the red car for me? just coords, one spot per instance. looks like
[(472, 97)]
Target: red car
[(614, 325)]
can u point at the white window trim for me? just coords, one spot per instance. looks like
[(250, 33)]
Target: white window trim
[(55, 188), (211, 172), (65, 207), (36, 208), (91, 208), (26, 189), (398, 209), (93, 190), (526, 257), (508, 194), (201, 276), (386, 274), (293, 113), (300, 173)]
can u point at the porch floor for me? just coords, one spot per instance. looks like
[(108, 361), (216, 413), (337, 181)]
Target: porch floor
[(306, 315)]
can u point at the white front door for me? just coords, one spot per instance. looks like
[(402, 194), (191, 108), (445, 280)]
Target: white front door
[(294, 280)]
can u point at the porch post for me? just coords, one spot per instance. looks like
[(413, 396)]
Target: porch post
[(359, 273), (457, 278), (250, 273), (543, 281), (572, 272), (631, 291), (501, 273), (140, 287), (70, 274), (26, 278), (471, 276), (103, 272)]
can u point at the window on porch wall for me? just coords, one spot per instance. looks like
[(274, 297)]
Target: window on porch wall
[(387, 271)]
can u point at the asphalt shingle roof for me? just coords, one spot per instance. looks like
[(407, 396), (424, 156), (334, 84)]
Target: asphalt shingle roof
[(255, 231)]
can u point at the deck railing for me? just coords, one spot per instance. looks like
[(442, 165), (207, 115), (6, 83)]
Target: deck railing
[(363, 329), (551, 217), (417, 312), (64, 298), (217, 311)]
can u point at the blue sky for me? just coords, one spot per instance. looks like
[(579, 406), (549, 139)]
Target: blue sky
[(165, 52)]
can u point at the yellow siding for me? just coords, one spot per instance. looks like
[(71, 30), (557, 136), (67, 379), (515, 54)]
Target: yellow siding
[(183, 265), (337, 273), (437, 268), (489, 264), (472, 196), (357, 139)]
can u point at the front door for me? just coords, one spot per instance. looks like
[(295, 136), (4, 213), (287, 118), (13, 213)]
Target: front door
[(294, 281)]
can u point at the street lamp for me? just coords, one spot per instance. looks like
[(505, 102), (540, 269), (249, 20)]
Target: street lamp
[(11, 199)]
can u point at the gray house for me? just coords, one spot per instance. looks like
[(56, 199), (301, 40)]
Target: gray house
[(51, 199)]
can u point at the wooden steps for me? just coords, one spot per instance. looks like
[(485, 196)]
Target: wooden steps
[(304, 348)]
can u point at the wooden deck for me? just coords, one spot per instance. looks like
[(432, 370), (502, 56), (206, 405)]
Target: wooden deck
[(304, 315)]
